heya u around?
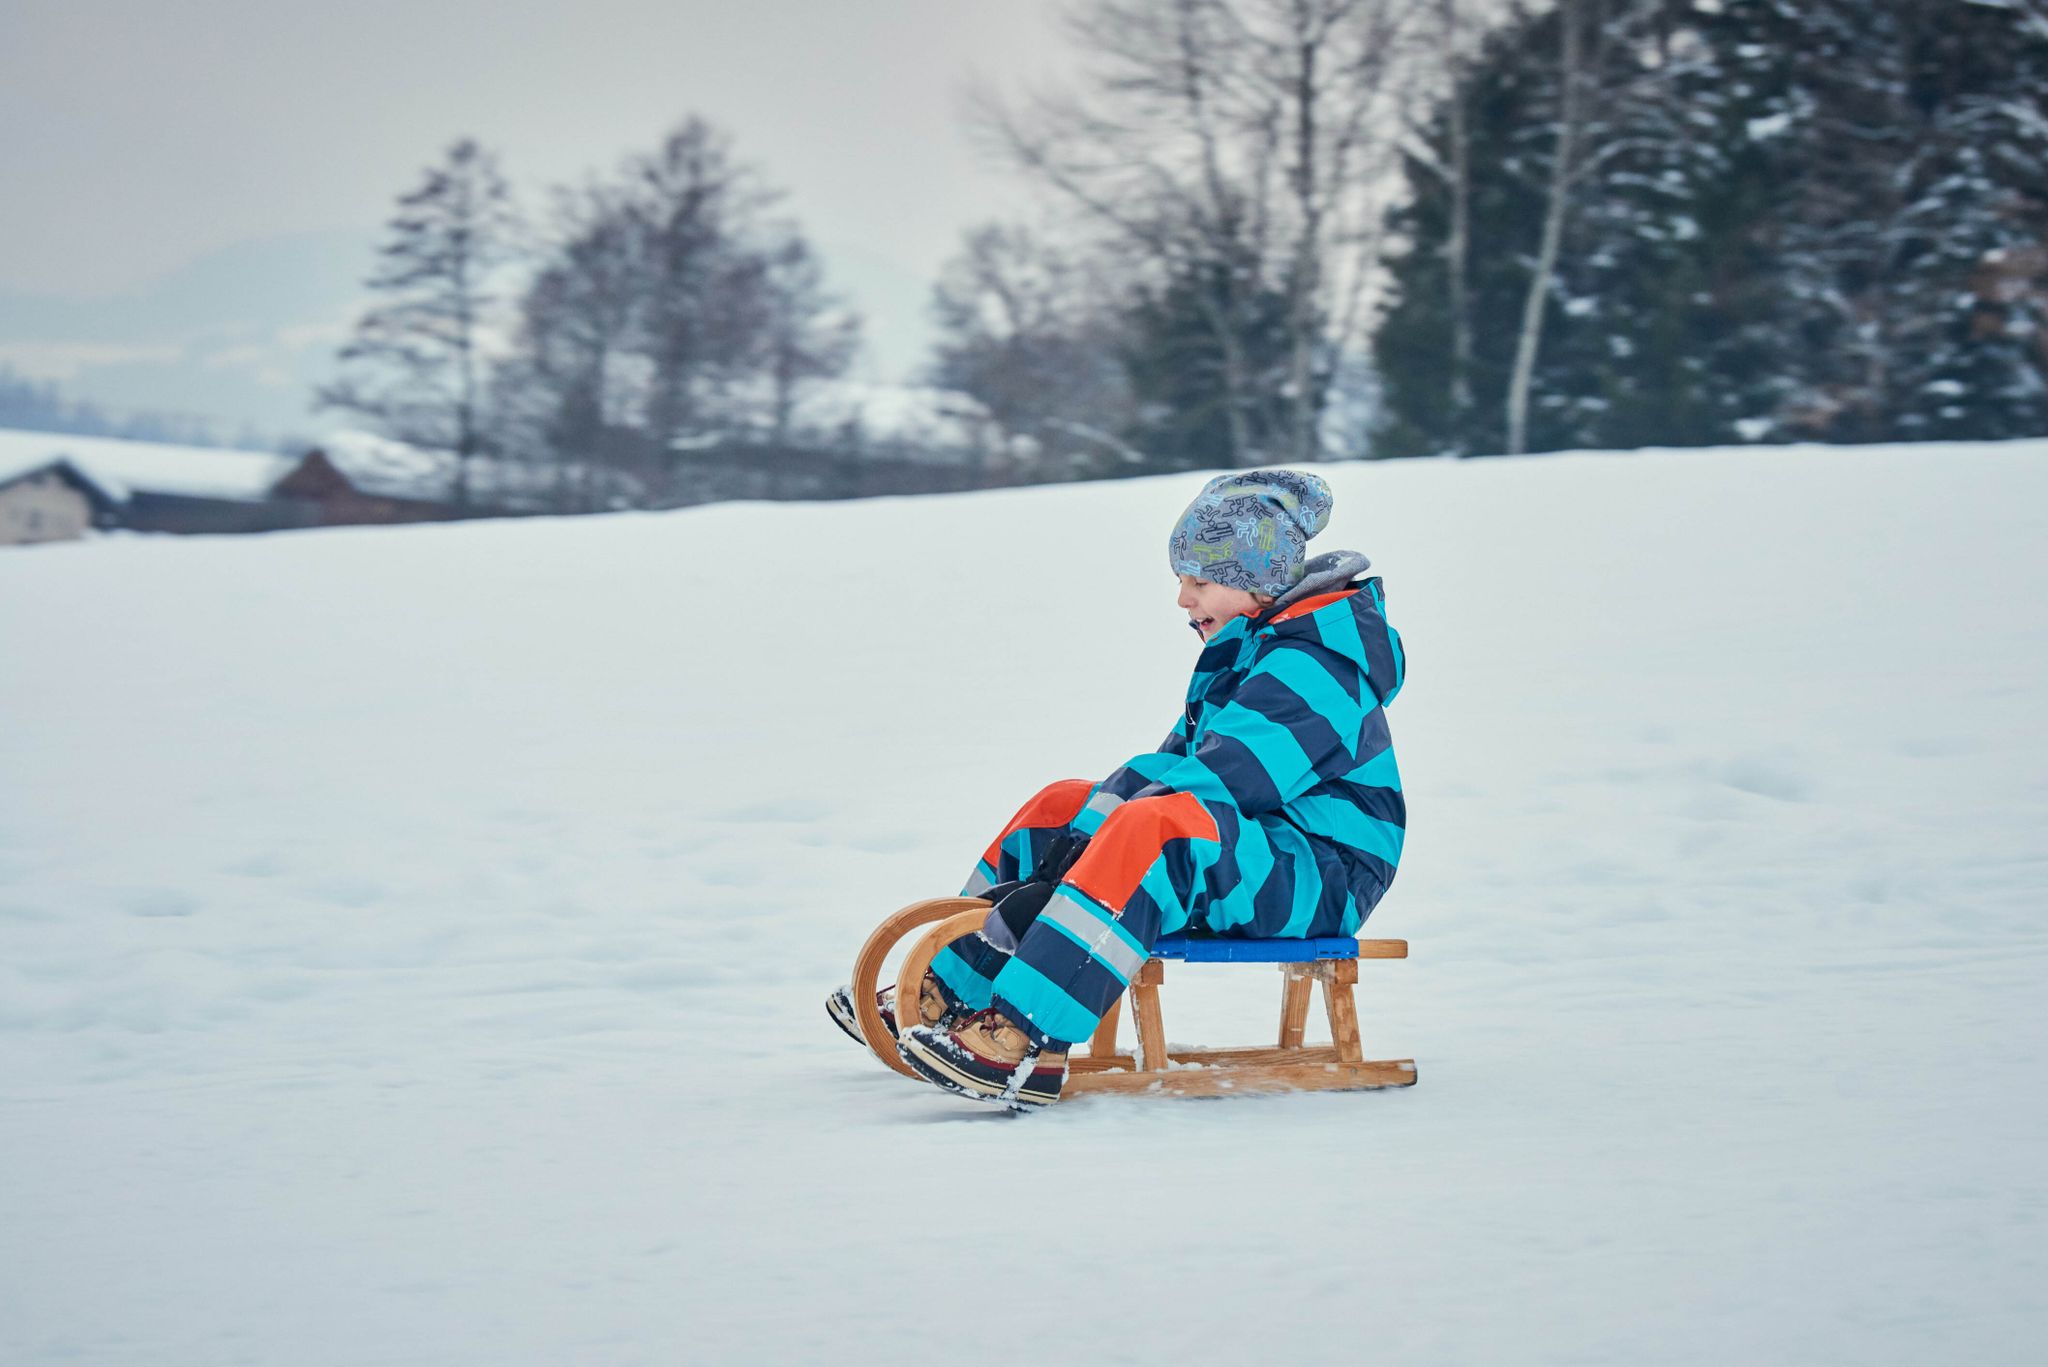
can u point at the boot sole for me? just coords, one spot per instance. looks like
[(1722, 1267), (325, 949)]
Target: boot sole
[(842, 1016), (940, 1071)]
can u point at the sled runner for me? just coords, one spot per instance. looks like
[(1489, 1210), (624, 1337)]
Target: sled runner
[(1154, 1069)]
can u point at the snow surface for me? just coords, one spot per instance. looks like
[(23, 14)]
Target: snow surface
[(413, 941)]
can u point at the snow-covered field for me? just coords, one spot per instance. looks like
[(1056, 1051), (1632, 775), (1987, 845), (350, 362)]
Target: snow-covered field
[(412, 941)]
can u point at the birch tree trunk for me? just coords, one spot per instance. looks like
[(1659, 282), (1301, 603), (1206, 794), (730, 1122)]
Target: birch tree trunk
[(1303, 276), (1557, 199), (1458, 250)]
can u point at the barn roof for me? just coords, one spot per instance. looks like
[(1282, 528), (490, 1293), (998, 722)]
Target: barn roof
[(95, 493)]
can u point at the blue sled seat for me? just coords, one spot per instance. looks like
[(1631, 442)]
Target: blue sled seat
[(1217, 949)]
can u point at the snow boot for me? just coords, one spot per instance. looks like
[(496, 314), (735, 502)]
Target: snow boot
[(932, 1009), (987, 1058)]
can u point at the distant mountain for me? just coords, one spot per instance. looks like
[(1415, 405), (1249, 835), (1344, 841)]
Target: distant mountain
[(238, 337)]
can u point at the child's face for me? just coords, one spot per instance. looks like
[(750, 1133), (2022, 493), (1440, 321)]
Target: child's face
[(1211, 607)]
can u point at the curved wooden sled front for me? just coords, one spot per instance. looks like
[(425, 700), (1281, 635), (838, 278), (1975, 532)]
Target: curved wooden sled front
[(1289, 1066), (867, 965)]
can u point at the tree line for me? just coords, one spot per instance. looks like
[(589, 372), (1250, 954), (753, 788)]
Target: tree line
[(1695, 222), (665, 307), (42, 406), (1289, 230)]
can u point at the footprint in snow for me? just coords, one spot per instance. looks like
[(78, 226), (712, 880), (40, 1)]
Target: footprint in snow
[(1766, 777), (160, 902), (345, 890)]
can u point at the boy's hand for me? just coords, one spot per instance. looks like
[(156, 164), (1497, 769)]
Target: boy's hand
[(1061, 855), (1018, 902)]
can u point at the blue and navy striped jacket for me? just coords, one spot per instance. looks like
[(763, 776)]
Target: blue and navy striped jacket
[(1286, 720)]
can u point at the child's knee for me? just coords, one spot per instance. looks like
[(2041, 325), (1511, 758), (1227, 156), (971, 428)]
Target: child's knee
[(1132, 839), (1056, 804), (1158, 819)]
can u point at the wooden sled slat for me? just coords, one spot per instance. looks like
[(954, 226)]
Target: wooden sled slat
[(1223, 1058), (1248, 1080)]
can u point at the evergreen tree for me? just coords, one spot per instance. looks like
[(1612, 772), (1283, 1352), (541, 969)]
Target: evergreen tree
[(1667, 331), (564, 395), (1914, 160), (1813, 221), (415, 366), (1503, 95), (808, 333)]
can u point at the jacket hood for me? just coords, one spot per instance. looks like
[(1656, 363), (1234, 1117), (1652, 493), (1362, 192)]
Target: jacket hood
[(1332, 609), (1330, 570)]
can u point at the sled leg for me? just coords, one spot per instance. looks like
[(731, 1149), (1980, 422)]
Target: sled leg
[(1151, 1023), (1103, 1044), (1300, 982), (1339, 981)]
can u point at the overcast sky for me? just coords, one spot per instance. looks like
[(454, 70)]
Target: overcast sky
[(137, 136), (140, 133)]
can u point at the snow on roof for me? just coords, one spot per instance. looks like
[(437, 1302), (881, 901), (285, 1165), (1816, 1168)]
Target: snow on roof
[(916, 416), (392, 469), (915, 421), (123, 467), (95, 492)]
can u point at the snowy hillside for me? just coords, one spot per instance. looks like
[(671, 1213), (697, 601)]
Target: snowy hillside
[(413, 941)]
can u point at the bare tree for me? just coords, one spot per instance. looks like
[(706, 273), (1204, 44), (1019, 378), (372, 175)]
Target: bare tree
[(669, 312), (809, 335), (1031, 332), (1235, 146), (566, 393), (1329, 63), (414, 366), (702, 312)]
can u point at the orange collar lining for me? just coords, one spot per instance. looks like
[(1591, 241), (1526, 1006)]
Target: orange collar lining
[(1308, 605)]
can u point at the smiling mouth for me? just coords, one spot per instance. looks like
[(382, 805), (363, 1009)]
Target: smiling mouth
[(1202, 624)]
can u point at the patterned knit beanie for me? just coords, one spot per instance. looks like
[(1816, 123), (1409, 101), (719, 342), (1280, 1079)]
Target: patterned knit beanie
[(1250, 531)]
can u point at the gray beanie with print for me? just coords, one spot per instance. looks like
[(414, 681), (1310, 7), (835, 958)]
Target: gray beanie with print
[(1250, 530)]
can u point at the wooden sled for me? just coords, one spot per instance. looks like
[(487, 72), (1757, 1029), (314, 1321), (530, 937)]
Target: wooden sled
[(1154, 1069)]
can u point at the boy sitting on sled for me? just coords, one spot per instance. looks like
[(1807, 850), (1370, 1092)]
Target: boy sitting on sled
[(1273, 810)]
